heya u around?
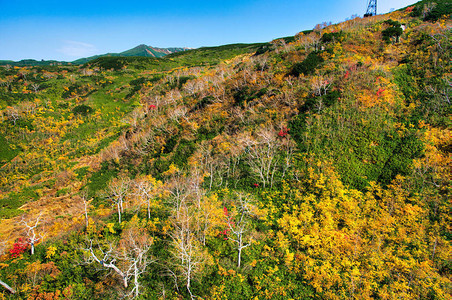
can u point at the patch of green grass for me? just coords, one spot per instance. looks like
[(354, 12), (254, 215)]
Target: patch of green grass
[(98, 180), (7, 151), (81, 172), (9, 205), (62, 192), (8, 213)]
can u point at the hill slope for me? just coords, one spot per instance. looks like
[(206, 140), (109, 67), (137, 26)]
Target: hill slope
[(309, 168)]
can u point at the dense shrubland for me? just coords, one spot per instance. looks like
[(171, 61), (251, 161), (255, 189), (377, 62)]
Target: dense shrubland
[(316, 167)]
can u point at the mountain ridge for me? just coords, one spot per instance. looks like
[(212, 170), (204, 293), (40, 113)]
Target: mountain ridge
[(142, 50)]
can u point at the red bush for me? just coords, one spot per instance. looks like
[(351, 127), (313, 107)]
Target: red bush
[(347, 74), (283, 132), (19, 247), (225, 211)]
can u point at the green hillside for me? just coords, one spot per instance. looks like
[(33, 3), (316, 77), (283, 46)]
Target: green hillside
[(310, 167), (206, 56)]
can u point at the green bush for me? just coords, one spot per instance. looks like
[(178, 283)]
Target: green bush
[(203, 103), (332, 37), (170, 144), (394, 30), (63, 192), (98, 180), (247, 94), (184, 150), (407, 149), (263, 49), (82, 109), (440, 10), (308, 66)]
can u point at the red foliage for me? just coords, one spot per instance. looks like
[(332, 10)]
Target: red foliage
[(225, 211), (283, 132), (18, 248), (224, 234), (380, 91), (409, 9), (255, 185), (152, 106), (347, 74)]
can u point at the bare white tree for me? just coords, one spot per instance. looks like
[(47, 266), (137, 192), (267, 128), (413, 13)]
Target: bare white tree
[(320, 85), (133, 251), (261, 62), (193, 86), (31, 231), (288, 147), (178, 113), (86, 206), (106, 258), (311, 40), (35, 87), (239, 224), (172, 96), (145, 190), (262, 152), (187, 252), (117, 190), (178, 188), (129, 259), (12, 113)]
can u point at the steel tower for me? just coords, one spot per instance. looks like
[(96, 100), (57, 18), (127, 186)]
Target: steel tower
[(371, 8)]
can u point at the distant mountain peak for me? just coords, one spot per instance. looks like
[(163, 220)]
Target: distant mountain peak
[(149, 51), (140, 50)]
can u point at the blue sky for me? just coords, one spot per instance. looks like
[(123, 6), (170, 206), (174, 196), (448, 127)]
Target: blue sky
[(67, 30)]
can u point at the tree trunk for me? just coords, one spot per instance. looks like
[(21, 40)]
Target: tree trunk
[(149, 209), (188, 288), (119, 213), (136, 282), (10, 289), (239, 258)]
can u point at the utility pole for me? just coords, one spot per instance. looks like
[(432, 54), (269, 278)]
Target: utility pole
[(371, 9)]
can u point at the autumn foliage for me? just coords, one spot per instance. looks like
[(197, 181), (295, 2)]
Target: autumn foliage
[(310, 167), (18, 248)]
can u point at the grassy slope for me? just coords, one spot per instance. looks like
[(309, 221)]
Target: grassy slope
[(366, 154)]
